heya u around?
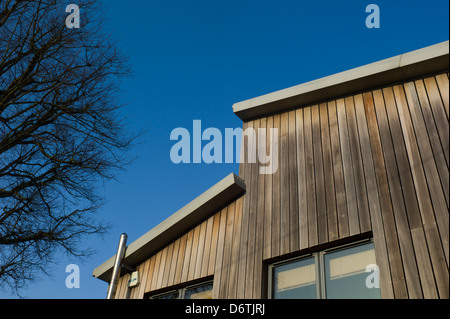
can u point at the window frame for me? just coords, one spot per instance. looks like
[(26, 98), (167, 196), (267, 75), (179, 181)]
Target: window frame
[(166, 293), (204, 283), (182, 290), (319, 265), (288, 261)]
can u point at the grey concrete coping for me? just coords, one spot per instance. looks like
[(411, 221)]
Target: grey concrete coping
[(209, 202), (406, 66)]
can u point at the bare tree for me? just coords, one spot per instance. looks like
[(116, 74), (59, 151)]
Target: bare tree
[(60, 132)]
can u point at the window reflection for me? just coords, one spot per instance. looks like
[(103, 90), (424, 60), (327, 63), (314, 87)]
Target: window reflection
[(199, 292), (328, 274), (345, 273), (170, 295), (295, 280)]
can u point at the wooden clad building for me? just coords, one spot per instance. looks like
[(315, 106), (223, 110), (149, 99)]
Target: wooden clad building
[(362, 179)]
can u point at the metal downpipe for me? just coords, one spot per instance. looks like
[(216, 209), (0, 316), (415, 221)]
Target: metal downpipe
[(117, 265)]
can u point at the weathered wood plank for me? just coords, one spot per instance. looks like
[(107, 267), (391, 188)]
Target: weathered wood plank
[(162, 268), (200, 250), (150, 273), (194, 252), (302, 190), (123, 292), (310, 179), (268, 195), (144, 275), (226, 258), (233, 276), (440, 116), (358, 170), (242, 260), (214, 244), (251, 244), (276, 207), (284, 184), (180, 259), (174, 262), (187, 256), (440, 268), (168, 265), (293, 191), (220, 251), (349, 178), (156, 271), (118, 292), (260, 212), (242, 267), (338, 171), (322, 219), (243, 152), (207, 249), (424, 264), (332, 222), (443, 86)]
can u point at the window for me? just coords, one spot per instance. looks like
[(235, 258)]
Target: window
[(336, 273), (296, 280), (345, 273), (198, 291)]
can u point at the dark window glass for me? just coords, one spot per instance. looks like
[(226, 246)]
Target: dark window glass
[(170, 295), (199, 292)]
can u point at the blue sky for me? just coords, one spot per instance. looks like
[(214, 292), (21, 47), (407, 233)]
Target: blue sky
[(193, 60)]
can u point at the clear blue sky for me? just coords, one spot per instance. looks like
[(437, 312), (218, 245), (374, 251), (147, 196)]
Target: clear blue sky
[(193, 60)]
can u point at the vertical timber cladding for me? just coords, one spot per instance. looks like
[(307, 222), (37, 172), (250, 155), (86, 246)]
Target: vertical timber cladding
[(376, 161), (208, 249)]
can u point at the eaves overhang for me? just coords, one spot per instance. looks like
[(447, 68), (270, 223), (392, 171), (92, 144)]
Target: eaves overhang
[(209, 202), (428, 60)]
